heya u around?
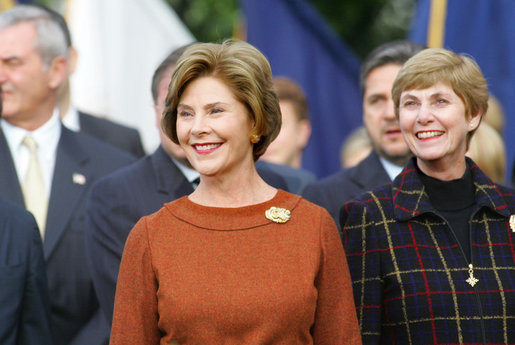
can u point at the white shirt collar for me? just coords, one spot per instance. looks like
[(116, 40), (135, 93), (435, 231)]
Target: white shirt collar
[(71, 119), (47, 137), (190, 174), (391, 169)]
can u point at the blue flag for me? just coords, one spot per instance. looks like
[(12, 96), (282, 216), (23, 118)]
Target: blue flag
[(300, 45), (486, 31)]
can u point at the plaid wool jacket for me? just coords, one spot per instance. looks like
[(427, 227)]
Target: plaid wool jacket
[(409, 272)]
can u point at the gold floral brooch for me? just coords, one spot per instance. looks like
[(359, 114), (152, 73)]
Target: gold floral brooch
[(278, 214)]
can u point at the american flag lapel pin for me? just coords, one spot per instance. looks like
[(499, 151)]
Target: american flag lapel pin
[(512, 222), (79, 178)]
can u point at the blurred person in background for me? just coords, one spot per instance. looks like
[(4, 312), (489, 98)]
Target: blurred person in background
[(390, 153), (120, 136), (295, 131), (487, 150), (119, 200), (284, 154), (48, 168), (495, 114), (24, 302), (355, 148)]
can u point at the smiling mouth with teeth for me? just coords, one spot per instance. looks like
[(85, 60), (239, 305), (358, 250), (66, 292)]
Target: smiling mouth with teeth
[(429, 134), (205, 147)]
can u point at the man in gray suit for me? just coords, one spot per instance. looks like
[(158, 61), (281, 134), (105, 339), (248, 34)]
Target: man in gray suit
[(390, 153), (49, 169)]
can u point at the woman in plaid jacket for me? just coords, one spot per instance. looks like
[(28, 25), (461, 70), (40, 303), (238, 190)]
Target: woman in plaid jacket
[(432, 255)]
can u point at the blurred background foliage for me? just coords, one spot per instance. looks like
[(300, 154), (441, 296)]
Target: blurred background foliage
[(362, 24)]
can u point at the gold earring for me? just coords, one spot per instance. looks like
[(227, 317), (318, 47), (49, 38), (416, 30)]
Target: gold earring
[(254, 138)]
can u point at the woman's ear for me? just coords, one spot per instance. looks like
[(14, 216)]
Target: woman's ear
[(475, 120)]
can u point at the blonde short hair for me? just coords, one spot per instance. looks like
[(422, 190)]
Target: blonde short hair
[(434, 65), (488, 151), (247, 73)]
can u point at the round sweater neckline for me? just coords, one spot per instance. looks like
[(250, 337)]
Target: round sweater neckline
[(230, 218)]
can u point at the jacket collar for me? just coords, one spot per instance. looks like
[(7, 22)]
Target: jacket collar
[(410, 199)]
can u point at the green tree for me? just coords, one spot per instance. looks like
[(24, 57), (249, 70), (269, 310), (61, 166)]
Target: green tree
[(361, 24)]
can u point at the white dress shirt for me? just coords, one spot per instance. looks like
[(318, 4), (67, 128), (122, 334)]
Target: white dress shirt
[(391, 169), (190, 174), (46, 137), (71, 119)]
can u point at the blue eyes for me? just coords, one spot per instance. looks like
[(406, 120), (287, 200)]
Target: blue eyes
[(184, 114)]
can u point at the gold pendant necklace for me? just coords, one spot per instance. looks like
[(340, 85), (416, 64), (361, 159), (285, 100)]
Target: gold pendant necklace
[(471, 279)]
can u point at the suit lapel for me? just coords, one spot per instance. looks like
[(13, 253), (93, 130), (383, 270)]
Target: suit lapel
[(170, 180), (370, 173), (70, 182), (9, 185)]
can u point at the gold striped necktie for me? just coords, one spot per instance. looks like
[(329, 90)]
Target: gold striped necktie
[(33, 186)]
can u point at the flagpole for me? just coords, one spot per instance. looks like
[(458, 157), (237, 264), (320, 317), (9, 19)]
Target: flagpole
[(436, 29), (6, 4)]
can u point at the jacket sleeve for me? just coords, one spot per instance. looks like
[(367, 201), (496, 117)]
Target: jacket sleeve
[(335, 319), (108, 225), (135, 319), (363, 257)]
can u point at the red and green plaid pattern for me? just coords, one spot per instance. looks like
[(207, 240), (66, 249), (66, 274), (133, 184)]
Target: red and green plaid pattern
[(409, 272)]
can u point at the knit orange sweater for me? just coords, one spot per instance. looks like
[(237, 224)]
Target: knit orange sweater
[(192, 274)]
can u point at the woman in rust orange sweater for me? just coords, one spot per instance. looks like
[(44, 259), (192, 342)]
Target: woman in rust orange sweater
[(237, 261)]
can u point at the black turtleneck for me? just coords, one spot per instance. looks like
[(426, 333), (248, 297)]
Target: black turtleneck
[(454, 200)]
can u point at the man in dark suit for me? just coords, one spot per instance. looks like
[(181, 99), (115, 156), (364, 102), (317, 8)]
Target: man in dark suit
[(390, 153), (120, 136), (49, 168), (24, 303)]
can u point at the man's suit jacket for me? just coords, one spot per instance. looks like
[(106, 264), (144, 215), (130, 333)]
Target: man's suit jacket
[(24, 301), (296, 179), (119, 200), (116, 203), (80, 160), (334, 191), (120, 136)]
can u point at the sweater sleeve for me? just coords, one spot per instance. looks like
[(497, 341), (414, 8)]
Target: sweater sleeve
[(135, 319), (335, 319), (363, 257)]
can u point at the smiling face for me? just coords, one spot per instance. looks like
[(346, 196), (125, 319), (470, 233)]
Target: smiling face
[(213, 128), (379, 117), (435, 126)]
